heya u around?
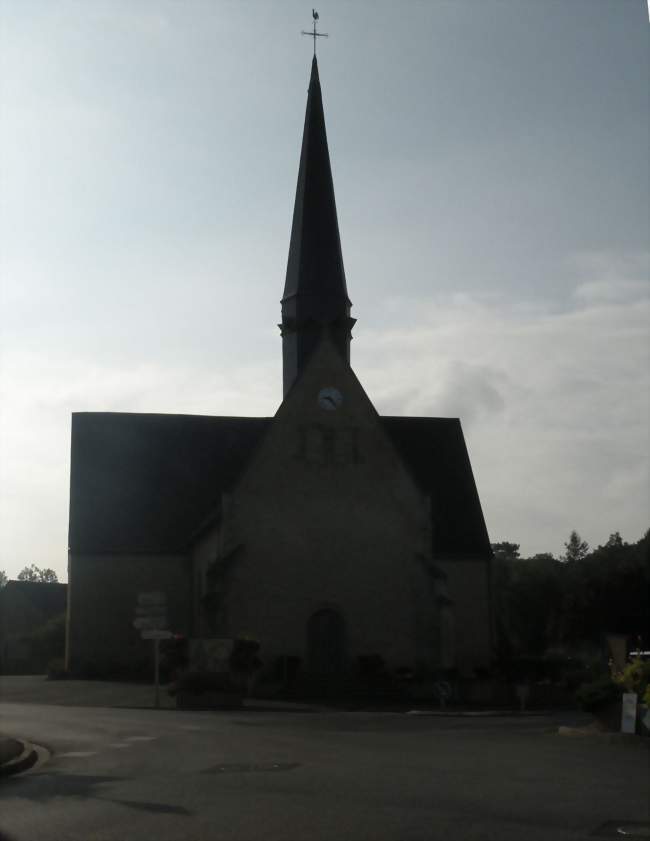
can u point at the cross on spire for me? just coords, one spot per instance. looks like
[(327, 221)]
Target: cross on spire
[(314, 34)]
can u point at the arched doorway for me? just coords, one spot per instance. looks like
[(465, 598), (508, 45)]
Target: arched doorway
[(326, 643)]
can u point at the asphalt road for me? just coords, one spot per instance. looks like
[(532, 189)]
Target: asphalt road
[(135, 774)]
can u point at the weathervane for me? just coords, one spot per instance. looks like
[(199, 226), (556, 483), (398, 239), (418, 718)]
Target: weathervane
[(315, 34)]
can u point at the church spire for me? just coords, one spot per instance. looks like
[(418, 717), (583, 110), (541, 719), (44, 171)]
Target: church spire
[(315, 292)]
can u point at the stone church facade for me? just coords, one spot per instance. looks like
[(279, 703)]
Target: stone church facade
[(328, 533)]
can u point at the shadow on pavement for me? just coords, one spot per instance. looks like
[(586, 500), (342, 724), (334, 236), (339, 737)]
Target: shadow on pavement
[(39, 787)]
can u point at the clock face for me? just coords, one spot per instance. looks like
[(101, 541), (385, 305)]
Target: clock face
[(329, 398)]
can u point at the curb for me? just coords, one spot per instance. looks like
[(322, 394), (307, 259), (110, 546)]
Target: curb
[(600, 735), (481, 713), (23, 762)]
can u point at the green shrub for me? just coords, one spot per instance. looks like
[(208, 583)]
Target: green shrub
[(597, 693), (635, 677), (243, 658)]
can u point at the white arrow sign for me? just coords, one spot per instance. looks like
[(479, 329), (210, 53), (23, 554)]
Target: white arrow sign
[(157, 635), (155, 598), (150, 622), (151, 610)]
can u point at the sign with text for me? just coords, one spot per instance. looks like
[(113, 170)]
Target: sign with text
[(211, 655), (157, 597), (157, 635), (151, 610), (143, 623), (151, 621)]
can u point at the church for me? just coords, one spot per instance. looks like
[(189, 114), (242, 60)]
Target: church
[(329, 533)]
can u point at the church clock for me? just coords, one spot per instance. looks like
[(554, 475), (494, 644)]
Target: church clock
[(329, 398)]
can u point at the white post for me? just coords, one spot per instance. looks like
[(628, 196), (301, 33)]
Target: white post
[(628, 712), (156, 643)]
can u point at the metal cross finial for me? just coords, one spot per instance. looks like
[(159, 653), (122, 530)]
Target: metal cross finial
[(315, 34)]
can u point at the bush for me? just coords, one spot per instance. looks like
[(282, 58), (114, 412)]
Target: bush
[(174, 657), (635, 677), (598, 693), (243, 658)]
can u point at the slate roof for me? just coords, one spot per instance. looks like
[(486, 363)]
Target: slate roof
[(315, 282), (434, 450), (145, 483), (48, 598)]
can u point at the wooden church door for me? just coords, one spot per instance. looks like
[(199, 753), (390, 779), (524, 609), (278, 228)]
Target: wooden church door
[(326, 643)]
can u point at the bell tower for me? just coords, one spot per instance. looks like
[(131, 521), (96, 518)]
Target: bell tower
[(315, 293)]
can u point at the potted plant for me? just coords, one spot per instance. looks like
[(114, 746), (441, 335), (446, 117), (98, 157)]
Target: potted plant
[(244, 663), (635, 679)]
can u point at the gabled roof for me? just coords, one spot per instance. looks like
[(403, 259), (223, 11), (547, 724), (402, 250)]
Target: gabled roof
[(434, 450), (146, 483), (315, 273)]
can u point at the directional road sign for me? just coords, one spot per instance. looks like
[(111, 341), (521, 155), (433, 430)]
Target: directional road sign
[(150, 623), (151, 610), (149, 599), (156, 635)]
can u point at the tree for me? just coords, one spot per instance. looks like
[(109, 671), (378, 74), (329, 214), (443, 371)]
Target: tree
[(34, 573), (615, 541), (3, 578), (506, 556), (505, 551), (535, 599), (541, 603), (576, 548)]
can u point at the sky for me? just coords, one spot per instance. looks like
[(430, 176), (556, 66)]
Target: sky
[(490, 163)]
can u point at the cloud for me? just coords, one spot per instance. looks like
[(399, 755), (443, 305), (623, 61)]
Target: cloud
[(38, 395), (555, 405), (610, 278)]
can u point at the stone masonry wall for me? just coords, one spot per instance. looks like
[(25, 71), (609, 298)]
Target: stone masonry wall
[(327, 516)]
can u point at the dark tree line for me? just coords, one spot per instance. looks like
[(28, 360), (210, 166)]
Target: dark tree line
[(544, 603)]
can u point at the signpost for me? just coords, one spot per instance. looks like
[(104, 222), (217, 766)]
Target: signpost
[(628, 713), (151, 621), (151, 610), (157, 635)]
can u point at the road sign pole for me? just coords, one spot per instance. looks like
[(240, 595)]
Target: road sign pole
[(156, 652)]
